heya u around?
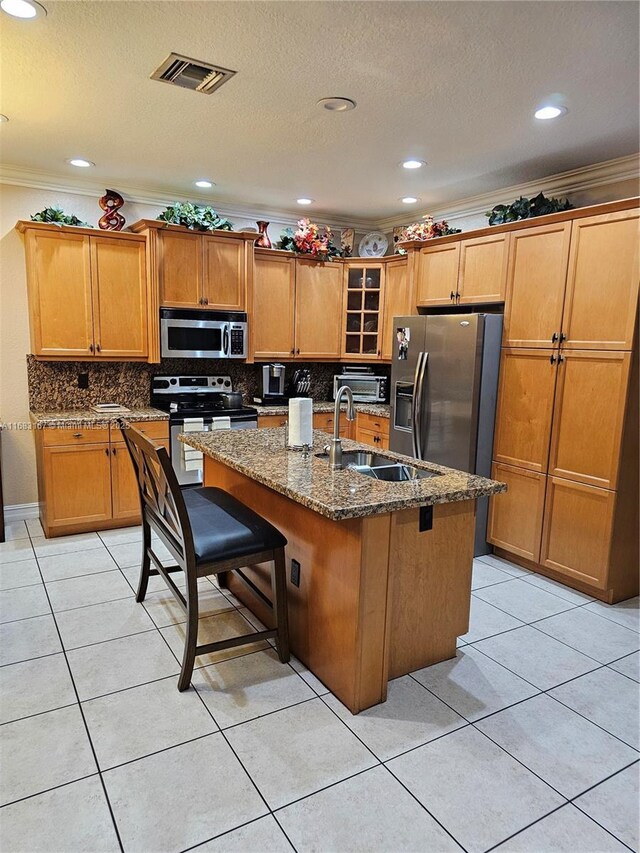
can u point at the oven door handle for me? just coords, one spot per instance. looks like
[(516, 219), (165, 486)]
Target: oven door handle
[(225, 339)]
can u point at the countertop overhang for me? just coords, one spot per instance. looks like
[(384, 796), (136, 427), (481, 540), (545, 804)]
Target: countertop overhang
[(262, 456), (73, 418)]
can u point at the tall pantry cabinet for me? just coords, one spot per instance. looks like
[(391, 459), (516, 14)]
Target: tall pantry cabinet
[(566, 440)]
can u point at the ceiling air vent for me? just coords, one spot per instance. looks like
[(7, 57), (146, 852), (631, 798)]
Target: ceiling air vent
[(192, 74)]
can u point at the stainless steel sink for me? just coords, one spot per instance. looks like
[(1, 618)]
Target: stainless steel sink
[(381, 467)]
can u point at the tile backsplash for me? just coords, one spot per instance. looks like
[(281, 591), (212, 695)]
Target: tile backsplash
[(53, 385)]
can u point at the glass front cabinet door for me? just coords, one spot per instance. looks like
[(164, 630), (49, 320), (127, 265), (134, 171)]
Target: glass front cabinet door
[(363, 311)]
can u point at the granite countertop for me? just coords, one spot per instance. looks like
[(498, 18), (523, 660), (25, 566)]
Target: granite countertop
[(380, 410), (82, 417), (261, 455)]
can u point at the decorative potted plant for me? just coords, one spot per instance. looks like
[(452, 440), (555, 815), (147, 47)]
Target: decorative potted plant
[(428, 229), (524, 208), (57, 216), (194, 216)]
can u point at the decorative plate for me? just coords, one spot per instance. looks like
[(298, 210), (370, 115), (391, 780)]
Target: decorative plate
[(373, 245)]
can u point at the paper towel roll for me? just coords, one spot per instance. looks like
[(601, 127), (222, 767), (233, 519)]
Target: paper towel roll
[(300, 421)]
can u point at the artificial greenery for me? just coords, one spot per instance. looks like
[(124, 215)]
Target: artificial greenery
[(57, 215), (308, 240), (525, 208), (195, 216)]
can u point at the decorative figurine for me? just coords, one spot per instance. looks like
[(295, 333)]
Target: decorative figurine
[(111, 202)]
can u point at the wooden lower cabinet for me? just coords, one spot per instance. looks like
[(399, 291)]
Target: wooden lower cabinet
[(325, 421), (78, 487), (85, 485), (515, 517), (272, 421), (373, 430), (576, 535)]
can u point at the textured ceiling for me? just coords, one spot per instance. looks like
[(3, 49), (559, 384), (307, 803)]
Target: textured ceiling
[(453, 83)]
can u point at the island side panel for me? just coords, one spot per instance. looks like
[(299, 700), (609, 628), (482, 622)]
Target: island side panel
[(429, 585), (338, 614)]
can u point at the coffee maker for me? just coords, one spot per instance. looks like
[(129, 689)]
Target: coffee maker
[(273, 385)]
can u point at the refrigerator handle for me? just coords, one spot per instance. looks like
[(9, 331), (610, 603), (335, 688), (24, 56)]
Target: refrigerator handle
[(416, 414)]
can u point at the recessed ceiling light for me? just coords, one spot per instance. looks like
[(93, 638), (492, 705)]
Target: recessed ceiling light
[(549, 111), (413, 164), (337, 105), (23, 8), (4, 117), (80, 162), (409, 199), (205, 185), (304, 200)]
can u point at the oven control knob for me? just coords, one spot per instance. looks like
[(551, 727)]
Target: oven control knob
[(219, 380), (173, 381), (227, 383)]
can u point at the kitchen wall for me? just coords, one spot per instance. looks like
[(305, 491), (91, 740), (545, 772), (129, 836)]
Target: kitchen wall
[(54, 385), (18, 202)]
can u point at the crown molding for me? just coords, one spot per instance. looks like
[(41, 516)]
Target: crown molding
[(564, 183), (163, 196)]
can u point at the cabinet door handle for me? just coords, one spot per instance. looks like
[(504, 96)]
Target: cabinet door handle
[(77, 435), (554, 337), (113, 450), (298, 351), (293, 352), (560, 359), (452, 296), (98, 348), (563, 337), (90, 347), (552, 359), (457, 297), (106, 450), (201, 300), (379, 353), (206, 301)]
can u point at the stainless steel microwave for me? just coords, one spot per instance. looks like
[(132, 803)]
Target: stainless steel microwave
[(186, 333), (365, 387)]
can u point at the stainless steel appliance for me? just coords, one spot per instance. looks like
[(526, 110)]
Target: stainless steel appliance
[(365, 386), (273, 380), (444, 381), (206, 397), (187, 333)]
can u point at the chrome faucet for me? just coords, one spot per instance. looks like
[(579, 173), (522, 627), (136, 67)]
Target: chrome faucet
[(335, 448)]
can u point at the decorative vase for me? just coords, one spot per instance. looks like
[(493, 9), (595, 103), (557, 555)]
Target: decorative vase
[(111, 202), (263, 240)]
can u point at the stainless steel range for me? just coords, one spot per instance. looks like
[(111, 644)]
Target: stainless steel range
[(198, 403)]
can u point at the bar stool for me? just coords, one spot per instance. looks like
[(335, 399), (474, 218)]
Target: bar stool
[(208, 532)]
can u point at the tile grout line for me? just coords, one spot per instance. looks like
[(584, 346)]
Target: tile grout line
[(84, 721)]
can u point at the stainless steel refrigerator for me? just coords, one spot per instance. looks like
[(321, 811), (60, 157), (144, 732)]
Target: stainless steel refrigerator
[(444, 381)]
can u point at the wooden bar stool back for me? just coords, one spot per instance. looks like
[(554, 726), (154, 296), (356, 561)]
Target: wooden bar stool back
[(208, 532)]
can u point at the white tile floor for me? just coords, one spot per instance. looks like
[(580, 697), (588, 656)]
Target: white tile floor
[(526, 741)]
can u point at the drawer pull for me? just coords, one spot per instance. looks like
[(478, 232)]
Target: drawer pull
[(77, 435)]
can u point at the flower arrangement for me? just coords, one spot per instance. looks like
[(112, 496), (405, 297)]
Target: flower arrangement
[(307, 240), (56, 215), (428, 229)]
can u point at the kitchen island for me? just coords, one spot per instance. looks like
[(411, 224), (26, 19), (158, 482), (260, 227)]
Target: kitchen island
[(378, 573)]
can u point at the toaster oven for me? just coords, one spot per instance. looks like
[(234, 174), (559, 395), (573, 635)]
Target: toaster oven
[(365, 387)]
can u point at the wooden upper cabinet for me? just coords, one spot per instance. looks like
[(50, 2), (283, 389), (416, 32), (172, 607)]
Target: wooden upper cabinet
[(589, 416), (363, 310), (602, 283), (224, 277), (119, 297), (515, 517), (59, 282), (272, 317), (398, 301), (318, 309), (536, 279), (180, 269), (576, 532), (524, 408), (483, 269), (437, 274)]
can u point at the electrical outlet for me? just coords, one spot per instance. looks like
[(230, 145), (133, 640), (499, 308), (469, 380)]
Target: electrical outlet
[(295, 572), (83, 380)]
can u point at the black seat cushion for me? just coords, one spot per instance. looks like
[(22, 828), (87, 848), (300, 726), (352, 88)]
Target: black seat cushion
[(224, 528)]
